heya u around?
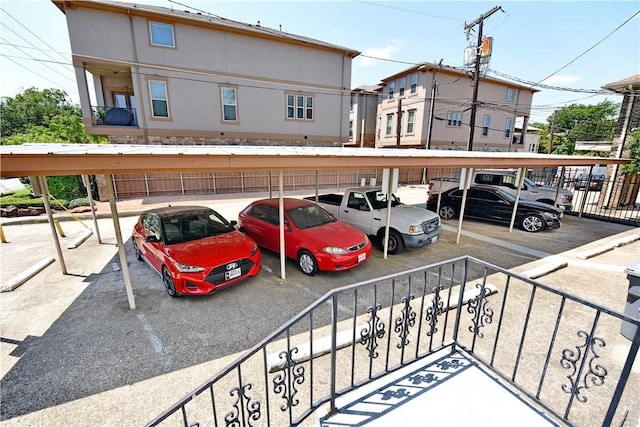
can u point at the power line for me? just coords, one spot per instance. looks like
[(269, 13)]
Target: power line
[(37, 74), (43, 63)]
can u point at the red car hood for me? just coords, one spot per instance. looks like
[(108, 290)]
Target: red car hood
[(212, 251), (334, 234)]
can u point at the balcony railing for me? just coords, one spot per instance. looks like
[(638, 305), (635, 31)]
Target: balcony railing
[(565, 354), (114, 116)]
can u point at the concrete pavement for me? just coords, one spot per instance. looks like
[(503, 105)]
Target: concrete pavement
[(49, 325)]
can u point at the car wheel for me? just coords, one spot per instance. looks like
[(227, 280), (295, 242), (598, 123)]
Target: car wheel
[(447, 212), (137, 251), (532, 223), (168, 283), (307, 263), (396, 243)]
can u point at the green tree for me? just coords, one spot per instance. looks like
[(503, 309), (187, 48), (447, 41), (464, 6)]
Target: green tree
[(633, 168), (33, 108), (578, 122)]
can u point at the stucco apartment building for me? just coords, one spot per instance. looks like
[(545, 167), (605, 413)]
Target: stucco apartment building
[(430, 105), (168, 76)]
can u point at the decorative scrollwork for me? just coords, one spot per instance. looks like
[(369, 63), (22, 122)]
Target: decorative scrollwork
[(295, 373), (435, 309), (372, 332), (232, 418), (445, 365), (420, 379), (395, 394), (406, 320), (481, 314), (596, 373)]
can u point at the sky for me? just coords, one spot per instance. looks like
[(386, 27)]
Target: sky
[(572, 47)]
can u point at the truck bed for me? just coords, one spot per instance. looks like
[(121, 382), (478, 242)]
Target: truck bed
[(330, 199)]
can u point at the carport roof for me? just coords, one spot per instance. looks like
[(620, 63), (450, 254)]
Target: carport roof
[(80, 159)]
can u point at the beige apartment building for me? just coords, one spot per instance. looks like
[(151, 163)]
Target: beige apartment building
[(169, 76), (429, 105)]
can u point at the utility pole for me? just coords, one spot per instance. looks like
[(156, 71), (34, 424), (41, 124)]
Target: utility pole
[(476, 72), (399, 124), (553, 126)]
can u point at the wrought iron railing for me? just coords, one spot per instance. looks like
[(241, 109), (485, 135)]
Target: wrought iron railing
[(113, 116), (565, 354)]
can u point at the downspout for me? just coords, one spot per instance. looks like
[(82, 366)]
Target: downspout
[(341, 98), (143, 116), (623, 136)]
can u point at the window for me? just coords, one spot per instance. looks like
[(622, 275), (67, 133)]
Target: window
[(159, 99), (507, 127), (351, 129), (161, 34), (392, 88), (352, 101), (411, 117), (511, 94), (485, 125), (414, 82), (229, 104), (300, 107), (454, 118), (403, 83), (389, 124)]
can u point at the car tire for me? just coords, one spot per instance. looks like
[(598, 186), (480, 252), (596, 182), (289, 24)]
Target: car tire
[(307, 263), (136, 250), (396, 242), (169, 285), (532, 223), (447, 212)]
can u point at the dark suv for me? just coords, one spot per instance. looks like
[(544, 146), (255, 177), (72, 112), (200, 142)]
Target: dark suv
[(595, 183)]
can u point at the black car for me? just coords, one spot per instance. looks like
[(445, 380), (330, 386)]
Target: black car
[(495, 204)]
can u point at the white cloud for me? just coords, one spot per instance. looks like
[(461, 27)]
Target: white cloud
[(375, 52), (560, 79)]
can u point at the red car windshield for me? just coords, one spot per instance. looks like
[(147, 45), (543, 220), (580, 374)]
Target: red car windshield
[(309, 216), (195, 226)]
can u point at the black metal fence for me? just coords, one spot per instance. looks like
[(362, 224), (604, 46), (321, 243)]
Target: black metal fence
[(565, 354), (113, 116)]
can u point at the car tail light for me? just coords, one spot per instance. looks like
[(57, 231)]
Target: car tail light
[(430, 185), (431, 197)]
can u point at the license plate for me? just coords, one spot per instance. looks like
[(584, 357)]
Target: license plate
[(362, 257), (232, 274), (434, 239)]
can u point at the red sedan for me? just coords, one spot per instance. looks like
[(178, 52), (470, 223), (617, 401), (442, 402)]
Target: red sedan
[(195, 250), (314, 238)]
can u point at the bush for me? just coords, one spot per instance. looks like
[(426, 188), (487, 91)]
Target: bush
[(78, 202)]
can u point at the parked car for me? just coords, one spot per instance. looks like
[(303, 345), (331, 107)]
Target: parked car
[(594, 183), (506, 179), (195, 250), (313, 237), (495, 204)]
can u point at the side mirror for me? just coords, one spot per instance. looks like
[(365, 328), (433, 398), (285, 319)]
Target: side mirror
[(152, 238), (233, 223)]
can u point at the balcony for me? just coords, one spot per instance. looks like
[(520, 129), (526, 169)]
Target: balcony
[(461, 338), (114, 116)]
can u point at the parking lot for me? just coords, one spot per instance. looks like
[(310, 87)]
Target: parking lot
[(71, 337)]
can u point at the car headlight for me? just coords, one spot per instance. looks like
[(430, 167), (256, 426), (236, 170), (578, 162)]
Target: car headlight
[(185, 268), (334, 250), (415, 229), (254, 249), (550, 215)]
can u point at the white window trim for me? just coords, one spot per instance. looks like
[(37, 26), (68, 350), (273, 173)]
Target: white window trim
[(455, 117), (414, 88), (166, 99), (235, 104), (508, 127), (297, 107), (392, 89), (411, 122), (511, 91), (389, 125), (486, 124), (173, 34), (402, 86)]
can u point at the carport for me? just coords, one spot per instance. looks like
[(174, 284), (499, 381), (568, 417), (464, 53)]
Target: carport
[(41, 160)]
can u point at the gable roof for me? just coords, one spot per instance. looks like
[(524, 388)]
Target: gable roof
[(457, 71), (623, 84), (205, 19)]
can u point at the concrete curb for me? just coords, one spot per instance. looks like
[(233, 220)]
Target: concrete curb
[(26, 275), (608, 247)]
